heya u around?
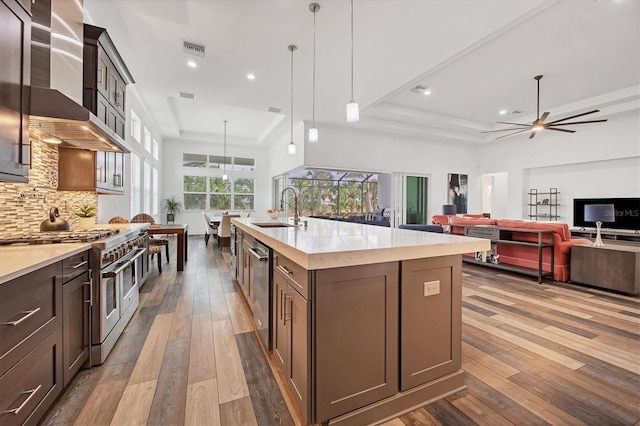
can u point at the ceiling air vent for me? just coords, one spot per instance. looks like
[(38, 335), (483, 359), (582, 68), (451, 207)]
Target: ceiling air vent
[(274, 109), (193, 48), (187, 95), (418, 89)]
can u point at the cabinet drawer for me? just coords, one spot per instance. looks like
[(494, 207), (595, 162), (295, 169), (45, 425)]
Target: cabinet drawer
[(31, 386), (293, 273), (74, 265), (30, 310)]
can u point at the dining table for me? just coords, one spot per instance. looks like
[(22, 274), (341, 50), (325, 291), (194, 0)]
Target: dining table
[(182, 231), (214, 220)]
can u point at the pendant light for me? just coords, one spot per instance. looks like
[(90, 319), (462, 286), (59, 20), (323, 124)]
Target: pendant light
[(224, 162), (353, 114), (292, 146), (313, 131)]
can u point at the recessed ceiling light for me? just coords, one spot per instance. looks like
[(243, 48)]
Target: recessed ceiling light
[(192, 64), (251, 76), (502, 112), (427, 91)]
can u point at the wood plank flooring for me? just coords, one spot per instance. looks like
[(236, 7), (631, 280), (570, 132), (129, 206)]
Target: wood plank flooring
[(554, 353)]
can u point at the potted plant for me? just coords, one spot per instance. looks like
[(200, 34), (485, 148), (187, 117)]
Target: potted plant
[(172, 206), (87, 215)]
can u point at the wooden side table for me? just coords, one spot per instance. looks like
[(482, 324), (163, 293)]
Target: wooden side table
[(614, 267)]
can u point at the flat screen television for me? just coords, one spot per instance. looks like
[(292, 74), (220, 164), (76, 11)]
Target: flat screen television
[(627, 212)]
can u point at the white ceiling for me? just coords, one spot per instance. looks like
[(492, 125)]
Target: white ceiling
[(477, 56)]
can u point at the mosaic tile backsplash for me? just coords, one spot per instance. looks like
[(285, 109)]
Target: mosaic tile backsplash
[(23, 206)]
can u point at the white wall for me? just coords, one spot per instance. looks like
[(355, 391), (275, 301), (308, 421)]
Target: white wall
[(598, 160), (173, 172), (359, 150)]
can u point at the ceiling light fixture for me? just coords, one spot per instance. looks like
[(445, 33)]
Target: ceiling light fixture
[(502, 112), (192, 64), (251, 76), (426, 91), (292, 146), (52, 141), (224, 161), (353, 114), (313, 131)]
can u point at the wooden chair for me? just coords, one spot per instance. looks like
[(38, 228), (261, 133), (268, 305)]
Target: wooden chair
[(153, 250), (209, 229), (118, 219), (145, 218)]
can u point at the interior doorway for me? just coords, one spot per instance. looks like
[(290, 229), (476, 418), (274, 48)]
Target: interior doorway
[(494, 194)]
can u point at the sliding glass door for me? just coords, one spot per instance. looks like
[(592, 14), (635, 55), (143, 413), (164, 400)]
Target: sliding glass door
[(411, 199)]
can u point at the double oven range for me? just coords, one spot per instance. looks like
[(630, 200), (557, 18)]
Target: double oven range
[(119, 263)]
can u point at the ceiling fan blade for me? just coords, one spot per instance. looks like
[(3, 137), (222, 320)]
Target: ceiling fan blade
[(561, 130), (544, 117), (503, 130), (514, 124), (533, 134), (514, 133), (577, 122), (574, 116)]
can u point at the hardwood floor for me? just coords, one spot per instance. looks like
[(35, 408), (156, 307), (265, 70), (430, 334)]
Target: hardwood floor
[(533, 354)]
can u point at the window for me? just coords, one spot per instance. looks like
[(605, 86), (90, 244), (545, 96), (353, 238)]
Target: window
[(246, 164), (135, 126), (147, 140), (218, 161), (211, 192), (155, 201), (155, 149), (194, 160), (146, 195), (135, 184)]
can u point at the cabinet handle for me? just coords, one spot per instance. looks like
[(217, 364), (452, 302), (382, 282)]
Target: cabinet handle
[(90, 284), (281, 304), (80, 264), (286, 297), (285, 270), (28, 314), (32, 392)]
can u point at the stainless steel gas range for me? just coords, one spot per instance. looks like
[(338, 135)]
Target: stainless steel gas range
[(120, 265)]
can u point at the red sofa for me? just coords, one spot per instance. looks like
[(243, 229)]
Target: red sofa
[(527, 256)]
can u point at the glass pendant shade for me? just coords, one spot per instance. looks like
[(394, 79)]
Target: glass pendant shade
[(292, 148), (225, 177), (353, 113), (313, 134)]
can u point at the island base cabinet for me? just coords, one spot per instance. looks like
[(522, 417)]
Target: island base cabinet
[(31, 386), (430, 320), (356, 337), (291, 341)]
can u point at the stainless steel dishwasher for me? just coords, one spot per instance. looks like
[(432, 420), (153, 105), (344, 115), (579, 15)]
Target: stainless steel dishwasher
[(261, 270)]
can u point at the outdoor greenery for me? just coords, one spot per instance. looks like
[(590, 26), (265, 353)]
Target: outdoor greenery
[(214, 193), (328, 193)]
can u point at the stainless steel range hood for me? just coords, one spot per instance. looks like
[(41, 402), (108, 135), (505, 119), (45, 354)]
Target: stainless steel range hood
[(54, 114)]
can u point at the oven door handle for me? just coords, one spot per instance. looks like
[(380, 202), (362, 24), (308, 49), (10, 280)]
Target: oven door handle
[(115, 272), (140, 253)]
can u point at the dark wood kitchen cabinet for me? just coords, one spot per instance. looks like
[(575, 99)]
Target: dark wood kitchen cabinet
[(84, 170), (291, 339), (15, 77), (30, 344), (105, 78), (76, 302)]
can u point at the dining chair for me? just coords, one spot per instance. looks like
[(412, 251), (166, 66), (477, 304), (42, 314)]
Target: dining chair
[(145, 218), (224, 230), (118, 219), (209, 229)]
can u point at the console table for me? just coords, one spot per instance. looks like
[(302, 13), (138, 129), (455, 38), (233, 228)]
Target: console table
[(505, 236), (614, 266)]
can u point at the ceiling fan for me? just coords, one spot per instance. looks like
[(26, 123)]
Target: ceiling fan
[(539, 123)]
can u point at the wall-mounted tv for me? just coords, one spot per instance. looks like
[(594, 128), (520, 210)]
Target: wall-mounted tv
[(627, 212)]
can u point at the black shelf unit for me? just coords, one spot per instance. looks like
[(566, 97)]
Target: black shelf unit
[(543, 205)]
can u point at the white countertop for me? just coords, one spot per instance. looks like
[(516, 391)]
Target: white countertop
[(16, 261), (331, 244)]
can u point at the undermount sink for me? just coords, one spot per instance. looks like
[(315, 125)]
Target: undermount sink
[(273, 225)]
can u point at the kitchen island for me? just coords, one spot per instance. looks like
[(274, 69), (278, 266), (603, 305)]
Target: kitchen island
[(365, 321)]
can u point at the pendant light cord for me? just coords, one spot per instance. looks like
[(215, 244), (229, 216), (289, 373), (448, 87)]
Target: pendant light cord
[(313, 107), (351, 50), (292, 48), (224, 164)]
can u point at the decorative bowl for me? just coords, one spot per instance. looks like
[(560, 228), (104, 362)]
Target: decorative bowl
[(274, 214)]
